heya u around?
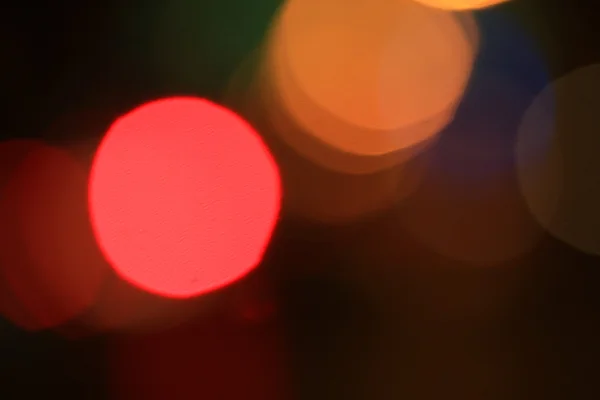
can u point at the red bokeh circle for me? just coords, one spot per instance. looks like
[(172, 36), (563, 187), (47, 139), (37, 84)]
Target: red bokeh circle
[(183, 197)]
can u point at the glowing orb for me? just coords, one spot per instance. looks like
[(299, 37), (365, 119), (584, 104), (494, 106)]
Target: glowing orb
[(461, 4), (561, 185), (183, 196)]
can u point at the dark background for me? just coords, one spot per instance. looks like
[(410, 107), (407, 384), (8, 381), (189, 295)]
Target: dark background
[(66, 57)]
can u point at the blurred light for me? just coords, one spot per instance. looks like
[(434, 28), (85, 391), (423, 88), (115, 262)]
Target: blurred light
[(49, 260), (468, 207), (342, 73), (508, 74), (12, 154), (461, 4), (561, 184), (184, 197), (251, 91), (484, 225), (331, 195)]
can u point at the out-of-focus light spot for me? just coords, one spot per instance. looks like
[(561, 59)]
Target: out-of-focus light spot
[(184, 197), (332, 195), (49, 260), (469, 25), (340, 189), (12, 153), (561, 185), (251, 90), (469, 207), (485, 225), (308, 144), (342, 71), (461, 4), (508, 75)]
